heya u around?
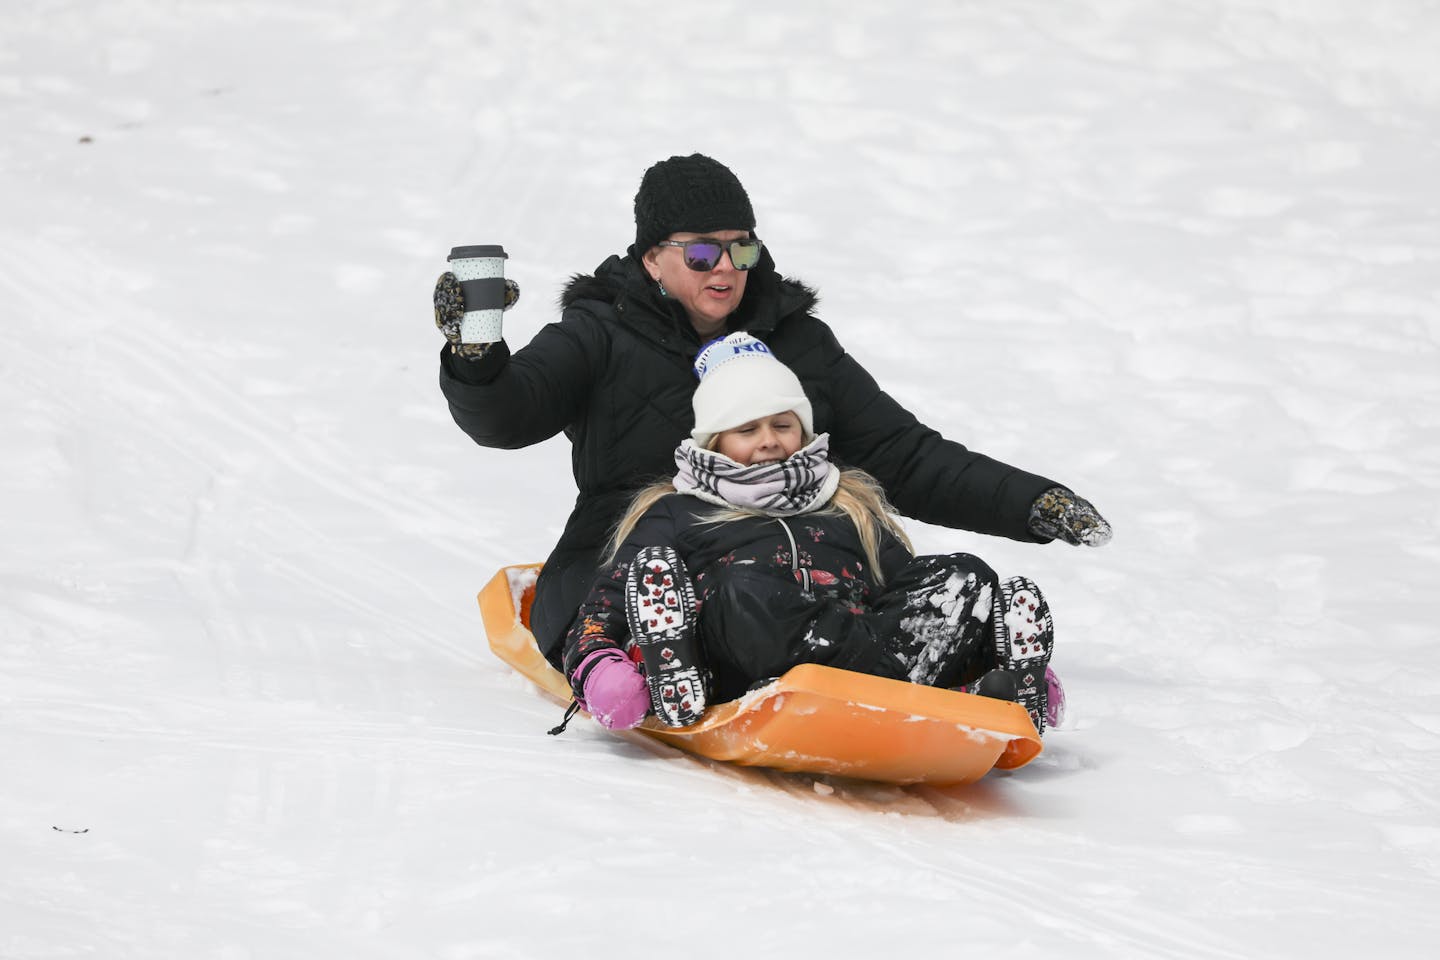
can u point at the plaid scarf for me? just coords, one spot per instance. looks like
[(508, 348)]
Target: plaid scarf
[(803, 482)]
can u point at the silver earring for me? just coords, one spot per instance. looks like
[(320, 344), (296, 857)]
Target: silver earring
[(663, 291)]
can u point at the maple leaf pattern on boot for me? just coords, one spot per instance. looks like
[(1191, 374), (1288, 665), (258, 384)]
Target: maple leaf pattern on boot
[(660, 607), (1024, 640)]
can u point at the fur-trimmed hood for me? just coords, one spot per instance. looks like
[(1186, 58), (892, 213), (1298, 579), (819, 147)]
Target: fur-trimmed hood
[(768, 296)]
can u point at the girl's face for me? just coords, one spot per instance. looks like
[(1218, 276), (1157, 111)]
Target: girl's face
[(708, 296), (766, 440)]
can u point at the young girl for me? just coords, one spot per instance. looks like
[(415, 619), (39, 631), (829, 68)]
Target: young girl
[(760, 555)]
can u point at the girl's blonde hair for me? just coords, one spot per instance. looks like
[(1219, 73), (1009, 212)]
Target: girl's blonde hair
[(859, 497)]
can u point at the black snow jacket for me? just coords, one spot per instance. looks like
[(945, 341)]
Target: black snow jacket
[(614, 374), (818, 553)]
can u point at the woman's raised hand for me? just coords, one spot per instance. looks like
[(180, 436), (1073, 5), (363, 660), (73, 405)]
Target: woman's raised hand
[(449, 300)]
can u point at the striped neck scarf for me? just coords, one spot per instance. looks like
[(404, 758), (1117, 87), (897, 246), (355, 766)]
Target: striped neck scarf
[(803, 482)]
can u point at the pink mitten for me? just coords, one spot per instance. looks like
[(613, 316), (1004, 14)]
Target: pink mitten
[(615, 690)]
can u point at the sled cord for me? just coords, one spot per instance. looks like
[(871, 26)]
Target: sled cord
[(570, 711)]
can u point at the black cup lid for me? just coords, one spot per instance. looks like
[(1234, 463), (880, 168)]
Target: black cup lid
[(472, 253)]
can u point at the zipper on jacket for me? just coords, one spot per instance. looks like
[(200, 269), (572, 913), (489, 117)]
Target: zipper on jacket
[(800, 572)]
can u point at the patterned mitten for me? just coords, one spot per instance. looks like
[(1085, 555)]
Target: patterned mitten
[(1059, 514), (449, 302)]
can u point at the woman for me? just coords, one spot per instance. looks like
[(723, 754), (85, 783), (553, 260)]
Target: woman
[(615, 375)]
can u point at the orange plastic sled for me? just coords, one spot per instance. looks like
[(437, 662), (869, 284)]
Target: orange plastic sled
[(814, 719)]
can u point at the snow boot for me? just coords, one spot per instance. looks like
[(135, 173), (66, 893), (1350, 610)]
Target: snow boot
[(1054, 698), (1024, 640), (998, 684), (660, 607)]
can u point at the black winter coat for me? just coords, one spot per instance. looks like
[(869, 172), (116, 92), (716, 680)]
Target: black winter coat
[(614, 374)]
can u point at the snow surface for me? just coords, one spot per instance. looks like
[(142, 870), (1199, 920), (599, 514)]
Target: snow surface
[(1183, 256)]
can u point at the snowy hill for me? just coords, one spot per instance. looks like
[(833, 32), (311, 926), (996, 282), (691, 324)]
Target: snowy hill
[(1185, 257)]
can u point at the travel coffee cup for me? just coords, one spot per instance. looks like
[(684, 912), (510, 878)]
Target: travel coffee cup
[(481, 272)]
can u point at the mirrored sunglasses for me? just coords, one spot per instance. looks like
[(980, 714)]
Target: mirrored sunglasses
[(704, 254)]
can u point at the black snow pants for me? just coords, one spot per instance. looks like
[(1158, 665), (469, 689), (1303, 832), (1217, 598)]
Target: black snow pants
[(929, 625)]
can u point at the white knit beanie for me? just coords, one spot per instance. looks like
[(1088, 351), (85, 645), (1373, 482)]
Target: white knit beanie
[(740, 381)]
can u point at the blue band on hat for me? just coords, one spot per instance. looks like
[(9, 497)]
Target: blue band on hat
[(721, 349)]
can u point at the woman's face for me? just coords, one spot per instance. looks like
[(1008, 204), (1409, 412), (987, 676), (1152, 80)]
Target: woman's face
[(708, 296), (766, 440)]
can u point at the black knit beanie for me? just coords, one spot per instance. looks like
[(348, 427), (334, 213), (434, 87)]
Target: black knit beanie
[(691, 193)]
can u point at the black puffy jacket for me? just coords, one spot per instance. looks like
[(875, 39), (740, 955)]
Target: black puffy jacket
[(615, 375)]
